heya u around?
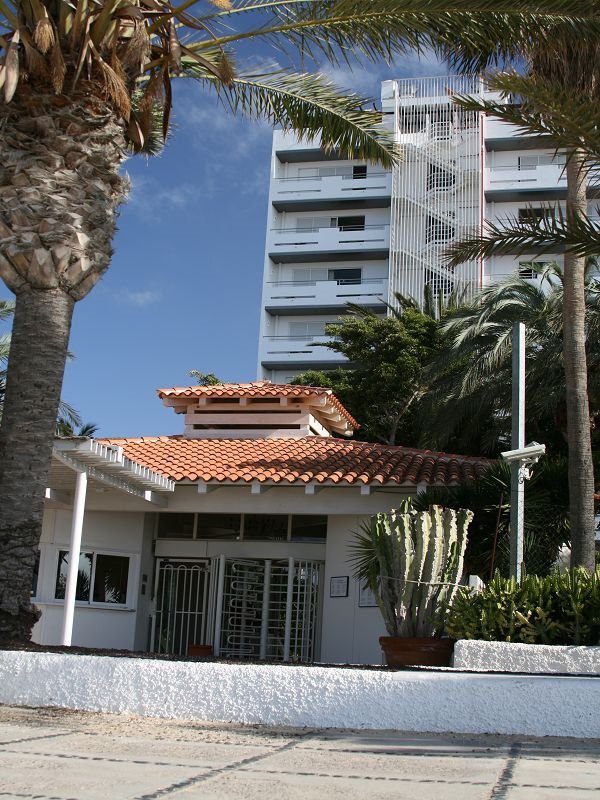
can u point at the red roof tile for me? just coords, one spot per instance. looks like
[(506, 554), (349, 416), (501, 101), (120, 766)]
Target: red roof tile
[(311, 458)]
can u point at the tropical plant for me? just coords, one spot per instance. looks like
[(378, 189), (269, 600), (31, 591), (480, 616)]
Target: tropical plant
[(205, 378), (546, 523), (412, 561), (74, 427), (469, 404), (563, 66), (558, 609)]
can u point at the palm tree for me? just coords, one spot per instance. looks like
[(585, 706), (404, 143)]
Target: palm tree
[(562, 71), (469, 405), (68, 419), (83, 83)]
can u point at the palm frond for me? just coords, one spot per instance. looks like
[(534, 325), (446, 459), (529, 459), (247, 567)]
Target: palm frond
[(310, 105), (547, 109), (556, 231)]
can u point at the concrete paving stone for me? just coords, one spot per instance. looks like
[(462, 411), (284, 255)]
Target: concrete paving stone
[(384, 765), (48, 776), (197, 754), (258, 786), (570, 775), (22, 733)]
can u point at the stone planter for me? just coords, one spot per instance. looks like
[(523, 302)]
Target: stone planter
[(413, 651), (483, 656)]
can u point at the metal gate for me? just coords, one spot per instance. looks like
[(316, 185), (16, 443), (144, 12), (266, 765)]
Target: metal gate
[(254, 609), (268, 609), (182, 605)]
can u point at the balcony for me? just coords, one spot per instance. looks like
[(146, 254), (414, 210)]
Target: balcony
[(511, 183), (320, 193), (343, 243), (299, 352), (329, 297), (503, 136)]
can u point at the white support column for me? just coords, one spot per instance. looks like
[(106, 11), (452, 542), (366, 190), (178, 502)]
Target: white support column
[(74, 550), (288, 611), (219, 606), (264, 621)]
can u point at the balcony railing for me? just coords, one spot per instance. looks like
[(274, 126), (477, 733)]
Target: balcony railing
[(367, 291), (299, 349), (342, 187), (542, 176), (344, 238)]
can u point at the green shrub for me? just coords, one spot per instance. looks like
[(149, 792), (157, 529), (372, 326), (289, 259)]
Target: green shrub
[(561, 608)]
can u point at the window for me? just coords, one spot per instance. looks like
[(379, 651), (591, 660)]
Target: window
[(540, 160), (326, 172), (359, 171), (345, 276), (308, 528), (266, 527), (307, 330), (101, 578), (219, 526), (348, 223), (308, 275), (175, 526), (529, 270), (531, 214)]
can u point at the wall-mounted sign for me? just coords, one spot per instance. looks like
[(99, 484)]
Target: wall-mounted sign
[(366, 598), (338, 587)]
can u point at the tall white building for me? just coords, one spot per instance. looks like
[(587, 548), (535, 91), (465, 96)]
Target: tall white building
[(342, 231)]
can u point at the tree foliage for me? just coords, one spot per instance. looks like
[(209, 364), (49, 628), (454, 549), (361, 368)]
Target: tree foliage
[(469, 406), (384, 383), (546, 517)]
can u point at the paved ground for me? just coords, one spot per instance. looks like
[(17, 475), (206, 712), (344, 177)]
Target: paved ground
[(64, 755)]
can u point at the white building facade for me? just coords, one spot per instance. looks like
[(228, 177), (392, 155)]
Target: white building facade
[(232, 538), (342, 231)]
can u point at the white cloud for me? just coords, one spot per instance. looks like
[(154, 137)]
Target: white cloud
[(141, 298), (148, 197), (213, 127)]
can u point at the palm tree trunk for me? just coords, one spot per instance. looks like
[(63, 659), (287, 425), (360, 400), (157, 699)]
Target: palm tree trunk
[(37, 359), (581, 469), (60, 189)]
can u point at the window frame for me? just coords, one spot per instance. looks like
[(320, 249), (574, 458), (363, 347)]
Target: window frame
[(90, 603), (288, 539)]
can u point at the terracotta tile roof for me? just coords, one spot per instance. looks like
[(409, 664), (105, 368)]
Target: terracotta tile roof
[(298, 461), (258, 389)]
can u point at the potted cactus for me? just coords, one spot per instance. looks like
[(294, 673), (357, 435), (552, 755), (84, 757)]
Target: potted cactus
[(412, 561)]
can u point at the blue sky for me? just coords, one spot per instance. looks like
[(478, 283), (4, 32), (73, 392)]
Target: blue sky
[(183, 289)]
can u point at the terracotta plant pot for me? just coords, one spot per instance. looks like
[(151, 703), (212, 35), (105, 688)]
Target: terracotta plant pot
[(200, 650), (413, 651)]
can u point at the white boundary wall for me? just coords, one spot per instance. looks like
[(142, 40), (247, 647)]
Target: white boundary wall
[(532, 658), (436, 701)]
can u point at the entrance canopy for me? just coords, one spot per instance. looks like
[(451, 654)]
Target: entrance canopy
[(106, 465), (103, 464)]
